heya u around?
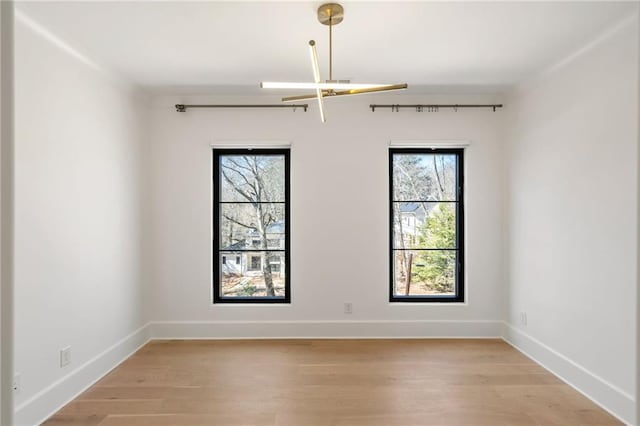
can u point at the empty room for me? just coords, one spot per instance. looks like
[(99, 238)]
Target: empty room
[(306, 213)]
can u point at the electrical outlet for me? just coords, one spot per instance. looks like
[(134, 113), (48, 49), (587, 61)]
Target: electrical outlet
[(65, 356), (348, 308), (16, 383), (523, 318)]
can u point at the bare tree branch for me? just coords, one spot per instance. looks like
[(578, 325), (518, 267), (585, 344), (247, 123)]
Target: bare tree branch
[(444, 172), (251, 185), (229, 159), (440, 188), (257, 175), (230, 219), (413, 187), (236, 188), (268, 219)]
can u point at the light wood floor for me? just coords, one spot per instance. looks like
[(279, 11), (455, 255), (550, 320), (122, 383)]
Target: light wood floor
[(330, 382)]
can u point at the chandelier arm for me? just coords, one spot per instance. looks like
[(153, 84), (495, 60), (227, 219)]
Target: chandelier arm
[(385, 88), (314, 86), (321, 105), (316, 76), (299, 97)]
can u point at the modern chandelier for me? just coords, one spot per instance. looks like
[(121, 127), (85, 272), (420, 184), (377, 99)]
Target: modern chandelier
[(328, 14)]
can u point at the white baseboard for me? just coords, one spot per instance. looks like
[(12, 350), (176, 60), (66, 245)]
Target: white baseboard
[(324, 329), (45, 403), (612, 399)]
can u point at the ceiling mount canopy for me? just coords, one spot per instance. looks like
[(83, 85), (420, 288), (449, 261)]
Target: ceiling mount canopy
[(329, 14)]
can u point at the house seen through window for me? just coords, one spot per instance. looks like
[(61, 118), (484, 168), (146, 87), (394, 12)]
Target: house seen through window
[(251, 225), (426, 215)]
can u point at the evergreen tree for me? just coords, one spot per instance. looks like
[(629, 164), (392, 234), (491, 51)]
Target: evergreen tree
[(437, 267)]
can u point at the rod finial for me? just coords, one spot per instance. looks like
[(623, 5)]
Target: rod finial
[(181, 108)]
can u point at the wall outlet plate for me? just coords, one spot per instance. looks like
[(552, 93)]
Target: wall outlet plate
[(65, 356), (523, 318)]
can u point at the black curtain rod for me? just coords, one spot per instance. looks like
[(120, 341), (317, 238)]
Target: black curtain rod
[(183, 107), (434, 107)]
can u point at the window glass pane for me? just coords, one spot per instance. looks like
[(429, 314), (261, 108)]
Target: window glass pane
[(255, 263), (424, 177), (432, 272), (252, 274), (424, 225), (276, 262), (251, 197), (248, 226), (249, 178)]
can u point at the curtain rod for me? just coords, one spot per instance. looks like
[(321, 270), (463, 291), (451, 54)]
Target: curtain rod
[(183, 107), (434, 107)]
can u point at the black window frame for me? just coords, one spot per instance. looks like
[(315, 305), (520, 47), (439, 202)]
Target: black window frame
[(459, 296), (217, 296)]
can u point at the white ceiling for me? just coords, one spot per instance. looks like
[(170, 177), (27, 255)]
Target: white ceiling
[(216, 44)]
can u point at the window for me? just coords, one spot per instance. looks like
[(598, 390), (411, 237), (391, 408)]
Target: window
[(273, 243), (275, 263), (251, 223), (426, 225), (256, 263)]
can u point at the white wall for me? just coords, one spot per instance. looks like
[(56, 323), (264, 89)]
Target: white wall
[(339, 207), (6, 230), (637, 394), (573, 215), (78, 221)]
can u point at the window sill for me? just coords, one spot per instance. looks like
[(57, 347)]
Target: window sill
[(428, 303)]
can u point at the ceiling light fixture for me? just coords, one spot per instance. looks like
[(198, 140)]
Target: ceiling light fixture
[(329, 14)]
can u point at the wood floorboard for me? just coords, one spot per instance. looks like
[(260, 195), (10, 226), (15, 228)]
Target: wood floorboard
[(329, 383)]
